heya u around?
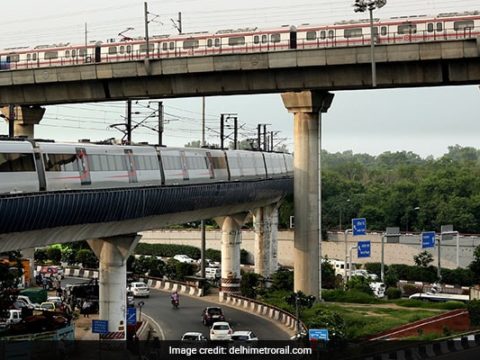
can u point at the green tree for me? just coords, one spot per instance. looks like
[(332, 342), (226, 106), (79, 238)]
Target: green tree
[(282, 279), (87, 258), (54, 254), (249, 284), (475, 264), (423, 259)]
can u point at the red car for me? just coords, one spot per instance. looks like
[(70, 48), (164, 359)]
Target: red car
[(211, 315)]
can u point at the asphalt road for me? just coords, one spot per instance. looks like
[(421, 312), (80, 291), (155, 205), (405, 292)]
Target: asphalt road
[(175, 322)]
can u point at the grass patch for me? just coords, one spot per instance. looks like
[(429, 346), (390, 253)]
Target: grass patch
[(413, 303), (351, 296)]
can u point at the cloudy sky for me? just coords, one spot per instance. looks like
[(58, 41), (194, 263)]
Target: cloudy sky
[(423, 120)]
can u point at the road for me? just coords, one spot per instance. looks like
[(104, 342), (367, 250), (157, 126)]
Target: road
[(175, 322)]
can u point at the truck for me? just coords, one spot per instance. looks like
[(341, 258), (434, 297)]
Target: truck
[(24, 275), (13, 317), (435, 294)]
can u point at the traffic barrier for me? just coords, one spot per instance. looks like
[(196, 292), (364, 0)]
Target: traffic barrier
[(266, 310), (152, 282)]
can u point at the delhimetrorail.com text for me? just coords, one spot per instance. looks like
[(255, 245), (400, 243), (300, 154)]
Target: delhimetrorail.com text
[(239, 350)]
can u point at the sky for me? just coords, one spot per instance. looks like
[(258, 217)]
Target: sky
[(422, 120)]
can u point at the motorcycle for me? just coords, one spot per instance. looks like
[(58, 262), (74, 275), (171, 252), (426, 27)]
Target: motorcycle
[(175, 303)]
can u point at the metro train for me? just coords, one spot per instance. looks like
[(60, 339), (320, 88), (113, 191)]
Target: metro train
[(32, 166), (419, 28)]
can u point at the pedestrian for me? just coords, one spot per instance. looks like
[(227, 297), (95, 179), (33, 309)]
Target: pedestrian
[(45, 283), (85, 308)]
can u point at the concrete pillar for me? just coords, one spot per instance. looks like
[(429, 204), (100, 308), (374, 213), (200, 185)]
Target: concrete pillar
[(25, 117), (274, 240), (262, 241), (30, 255), (306, 106), (231, 240), (113, 253)]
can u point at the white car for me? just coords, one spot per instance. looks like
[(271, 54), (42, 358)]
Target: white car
[(244, 336), (184, 259), (193, 336), (139, 289), (365, 274), (57, 300), (221, 330)]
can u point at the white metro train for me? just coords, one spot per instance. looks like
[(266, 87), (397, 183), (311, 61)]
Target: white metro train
[(32, 166), (404, 29)]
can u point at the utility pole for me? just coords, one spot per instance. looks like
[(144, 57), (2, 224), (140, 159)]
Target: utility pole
[(271, 140), (129, 122), (86, 35), (222, 124), (11, 121), (259, 132), (203, 121), (146, 31), (265, 137), (235, 132), (179, 23), (160, 123)]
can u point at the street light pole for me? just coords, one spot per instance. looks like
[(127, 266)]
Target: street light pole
[(362, 6), (147, 40), (350, 265), (346, 255)]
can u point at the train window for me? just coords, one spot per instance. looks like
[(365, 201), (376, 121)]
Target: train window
[(143, 48), (171, 162), (275, 38), (164, 46), (219, 162), (311, 35), (111, 163), (463, 25), (13, 58), (430, 27), (330, 34), (171, 45), (112, 50), (407, 29), (209, 42), (11, 162), (49, 55), (34, 56), (256, 39), (29, 57), (129, 49), (122, 49), (355, 32), (74, 53), (264, 39), (235, 41), (67, 53), (190, 44), (383, 30), (140, 161), (82, 52), (439, 26), (60, 162), (323, 34), (217, 42), (119, 163)]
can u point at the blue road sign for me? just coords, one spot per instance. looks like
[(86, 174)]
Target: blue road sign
[(100, 326), (359, 226), (428, 239), (363, 249), (131, 316), (318, 334)]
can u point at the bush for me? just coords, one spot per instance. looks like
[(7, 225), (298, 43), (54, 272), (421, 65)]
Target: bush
[(410, 289), (248, 284), (337, 328), (394, 293), (375, 268), (359, 283), (87, 258), (474, 312), (462, 277), (282, 279), (214, 255), (167, 250)]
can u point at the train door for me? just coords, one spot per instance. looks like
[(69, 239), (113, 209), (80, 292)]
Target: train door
[(293, 38), (98, 54), (132, 171), (210, 165), (183, 159), (83, 168)]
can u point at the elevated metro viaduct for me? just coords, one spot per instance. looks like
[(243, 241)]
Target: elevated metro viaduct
[(304, 78)]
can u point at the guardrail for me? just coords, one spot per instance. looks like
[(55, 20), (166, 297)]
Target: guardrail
[(153, 282), (270, 311)]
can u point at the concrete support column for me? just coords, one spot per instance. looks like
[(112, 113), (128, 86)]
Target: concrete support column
[(24, 117), (30, 255), (231, 240), (113, 253), (274, 240), (262, 241), (306, 106)]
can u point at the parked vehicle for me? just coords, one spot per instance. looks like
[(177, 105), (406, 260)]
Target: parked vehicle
[(211, 315), (378, 289), (184, 259), (244, 336), (435, 294), (213, 273), (14, 316), (48, 306), (221, 330), (27, 301), (365, 274), (139, 289)]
